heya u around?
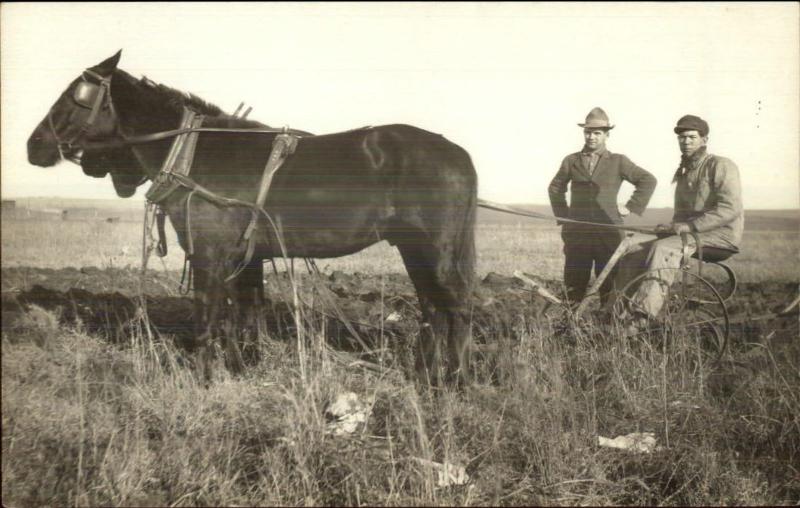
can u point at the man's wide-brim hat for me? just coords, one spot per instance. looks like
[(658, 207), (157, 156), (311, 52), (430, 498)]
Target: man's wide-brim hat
[(692, 123), (596, 119)]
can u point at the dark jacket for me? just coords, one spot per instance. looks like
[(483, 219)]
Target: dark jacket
[(708, 196), (594, 198)]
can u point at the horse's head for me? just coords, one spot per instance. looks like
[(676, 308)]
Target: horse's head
[(83, 112)]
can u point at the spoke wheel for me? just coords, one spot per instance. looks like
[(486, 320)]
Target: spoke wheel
[(693, 317), (719, 275)]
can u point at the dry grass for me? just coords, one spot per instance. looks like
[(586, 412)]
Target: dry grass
[(87, 423)]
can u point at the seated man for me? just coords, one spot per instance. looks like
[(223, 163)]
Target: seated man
[(708, 201)]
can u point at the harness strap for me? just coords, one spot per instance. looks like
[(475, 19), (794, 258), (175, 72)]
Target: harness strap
[(209, 195), (189, 240), (283, 145), (186, 277), (98, 102), (161, 246)]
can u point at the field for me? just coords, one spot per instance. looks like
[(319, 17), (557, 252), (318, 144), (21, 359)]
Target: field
[(100, 406)]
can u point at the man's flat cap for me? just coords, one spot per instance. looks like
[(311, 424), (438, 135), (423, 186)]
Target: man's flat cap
[(692, 123)]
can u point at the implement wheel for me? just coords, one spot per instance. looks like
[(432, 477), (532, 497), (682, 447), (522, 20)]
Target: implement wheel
[(693, 318), (719, 275)]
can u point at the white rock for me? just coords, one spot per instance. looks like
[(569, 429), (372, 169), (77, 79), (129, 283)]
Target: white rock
[(447, 474), (643, 442), (394, 317), (348, 413)]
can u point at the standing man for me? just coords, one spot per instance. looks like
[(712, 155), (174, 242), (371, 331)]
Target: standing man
[(594, 176), (708, 201)]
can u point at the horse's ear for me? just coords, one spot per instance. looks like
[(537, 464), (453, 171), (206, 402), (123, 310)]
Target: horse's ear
[(108, 66)]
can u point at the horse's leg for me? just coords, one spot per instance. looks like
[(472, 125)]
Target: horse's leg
[(211, 313), (460, 339), (230, 317), (435, 323), (433, 331), (454, 248), (207, 302), (249, 292), (450, 300), (446, 295)]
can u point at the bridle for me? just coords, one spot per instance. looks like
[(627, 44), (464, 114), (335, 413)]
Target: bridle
[(93, 97), (90, 96)]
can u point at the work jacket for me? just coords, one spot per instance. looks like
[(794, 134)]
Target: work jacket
[(593, 197), (708, 196)]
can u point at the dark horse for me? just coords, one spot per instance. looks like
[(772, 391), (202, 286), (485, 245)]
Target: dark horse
[(335, 195)]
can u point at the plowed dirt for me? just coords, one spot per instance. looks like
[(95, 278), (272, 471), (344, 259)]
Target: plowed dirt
[(108, 301)]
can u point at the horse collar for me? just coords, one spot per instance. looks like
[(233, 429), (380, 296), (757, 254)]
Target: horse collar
[(179, 159)]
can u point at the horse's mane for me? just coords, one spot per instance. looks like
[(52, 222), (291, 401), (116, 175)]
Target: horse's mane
[(174, 98), (178, 99)]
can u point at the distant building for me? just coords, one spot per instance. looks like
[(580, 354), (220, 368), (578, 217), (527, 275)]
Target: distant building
[(9, 205)]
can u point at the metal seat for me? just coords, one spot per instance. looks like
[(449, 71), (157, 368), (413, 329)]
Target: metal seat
[(715, 254)]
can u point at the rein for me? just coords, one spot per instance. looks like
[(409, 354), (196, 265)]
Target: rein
[(648, 230), (158, 136)]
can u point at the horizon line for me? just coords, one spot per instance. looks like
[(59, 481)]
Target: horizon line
[(511, 203)]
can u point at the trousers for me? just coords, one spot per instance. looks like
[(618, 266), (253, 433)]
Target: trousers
[(586, 248), (650, 256)]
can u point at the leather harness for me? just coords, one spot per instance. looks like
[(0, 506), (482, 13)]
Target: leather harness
[(175, 170)]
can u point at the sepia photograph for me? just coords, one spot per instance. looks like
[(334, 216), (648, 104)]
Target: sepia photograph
[(400, 253)]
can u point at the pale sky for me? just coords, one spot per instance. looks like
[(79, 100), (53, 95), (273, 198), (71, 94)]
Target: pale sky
[(508, 82)]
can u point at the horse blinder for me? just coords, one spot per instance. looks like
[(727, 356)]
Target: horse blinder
[(86, 94)]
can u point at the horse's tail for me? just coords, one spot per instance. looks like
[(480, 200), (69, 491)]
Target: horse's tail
[(465, 235)]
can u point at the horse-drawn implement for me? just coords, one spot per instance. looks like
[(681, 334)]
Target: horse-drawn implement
[(695, 307)]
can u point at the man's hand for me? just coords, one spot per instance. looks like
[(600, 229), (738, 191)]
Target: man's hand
[(680, 228), (675, 228)]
